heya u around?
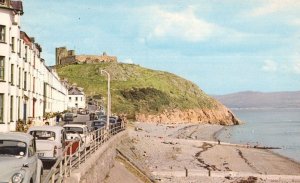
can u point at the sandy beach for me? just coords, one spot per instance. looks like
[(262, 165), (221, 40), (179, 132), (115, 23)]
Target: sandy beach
[(190, 153)]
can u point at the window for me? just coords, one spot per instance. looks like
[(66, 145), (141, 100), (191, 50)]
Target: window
[(26, 54), (31, 149), (70, 99), (13, 44), (19, 107), (81, 98), (19, 81), (25, 81), (12, 74), (20, 48), (2, 33), (2, 1), (11, 107), (1, 106), (33, 83), (2, 67), (76, 98)]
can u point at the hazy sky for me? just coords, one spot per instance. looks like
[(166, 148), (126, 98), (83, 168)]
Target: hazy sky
[(222, 46)]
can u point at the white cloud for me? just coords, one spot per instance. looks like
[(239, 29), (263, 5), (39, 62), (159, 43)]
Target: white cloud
[(296, 67), (184, 25), (290, 67), (127, 61), (270, 66), (273, 6)]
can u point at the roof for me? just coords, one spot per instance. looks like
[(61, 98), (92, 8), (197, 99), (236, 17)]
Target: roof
[(46, 128), (74, 91), (20, 136), (17, 6), (75, 125)]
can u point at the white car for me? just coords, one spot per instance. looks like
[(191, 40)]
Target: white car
[(18, 159), (50, 141), (80, 132)]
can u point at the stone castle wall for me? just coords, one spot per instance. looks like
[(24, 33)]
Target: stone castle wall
[(95, 58), (65, 56)]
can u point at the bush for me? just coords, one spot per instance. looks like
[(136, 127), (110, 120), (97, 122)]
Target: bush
[(147, 99)]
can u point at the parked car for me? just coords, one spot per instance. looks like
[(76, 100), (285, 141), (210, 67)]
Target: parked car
[(97, 124), (19, 161), (98, 114), (114, 121), (82, 111), (68, 117), (78, 131), (50, 141)]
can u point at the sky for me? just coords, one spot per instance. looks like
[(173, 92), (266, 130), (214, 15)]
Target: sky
[(223, 46)]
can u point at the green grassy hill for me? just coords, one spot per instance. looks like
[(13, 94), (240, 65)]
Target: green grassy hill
[(135, 89)]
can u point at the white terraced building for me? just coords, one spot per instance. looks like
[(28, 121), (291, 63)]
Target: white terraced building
[(76, 98), (28, 88)]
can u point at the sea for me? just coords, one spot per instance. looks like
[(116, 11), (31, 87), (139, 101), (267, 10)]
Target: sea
[(267, 127)]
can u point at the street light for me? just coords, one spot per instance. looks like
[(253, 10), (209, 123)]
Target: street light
[(108, 98)]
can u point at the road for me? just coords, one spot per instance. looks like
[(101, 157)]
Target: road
[(80, 119)]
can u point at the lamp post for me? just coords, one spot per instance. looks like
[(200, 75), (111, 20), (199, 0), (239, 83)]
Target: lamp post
[(108, 98)]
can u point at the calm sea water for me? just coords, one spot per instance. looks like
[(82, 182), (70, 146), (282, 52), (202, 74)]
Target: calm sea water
[(268, 127)]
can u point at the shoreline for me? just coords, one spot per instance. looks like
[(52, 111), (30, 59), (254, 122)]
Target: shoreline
[(190, 147), (217, 134)]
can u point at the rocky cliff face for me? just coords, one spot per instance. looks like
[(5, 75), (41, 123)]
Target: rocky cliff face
[(220, 115)]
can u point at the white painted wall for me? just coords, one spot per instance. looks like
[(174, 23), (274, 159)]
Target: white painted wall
[(76, 101), (33, 98)]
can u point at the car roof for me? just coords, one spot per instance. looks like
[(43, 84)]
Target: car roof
[(74, 125), (20, 136), (46, 128), (99, 121)]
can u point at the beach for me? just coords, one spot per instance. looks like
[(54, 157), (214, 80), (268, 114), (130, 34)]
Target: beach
[(191, 153)]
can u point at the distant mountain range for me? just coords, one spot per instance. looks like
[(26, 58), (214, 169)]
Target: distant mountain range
[(250, 99)]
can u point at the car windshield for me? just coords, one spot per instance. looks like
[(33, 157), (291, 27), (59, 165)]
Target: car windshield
[(102, 118), (74, 130), (98, 123), (112, 120), (12, 148), (69, 114), (43, 135)]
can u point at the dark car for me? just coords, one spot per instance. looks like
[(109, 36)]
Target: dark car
[(98, 124), (114, 122), (68, 117)]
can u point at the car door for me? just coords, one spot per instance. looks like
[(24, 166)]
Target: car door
[(31, 163)]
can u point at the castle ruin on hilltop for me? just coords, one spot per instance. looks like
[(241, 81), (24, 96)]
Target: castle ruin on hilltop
[(65, 56)]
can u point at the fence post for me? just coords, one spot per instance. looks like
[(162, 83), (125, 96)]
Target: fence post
[(65, 163), (70, 156), (79, 153), (61, 169)]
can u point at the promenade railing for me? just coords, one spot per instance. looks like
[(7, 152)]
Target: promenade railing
[(78, 151)]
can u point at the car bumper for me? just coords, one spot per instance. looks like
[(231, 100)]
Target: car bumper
[(47, 159)]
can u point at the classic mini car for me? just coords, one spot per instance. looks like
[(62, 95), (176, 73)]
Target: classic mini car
[(78, 132), (50, 141), (18, 159)]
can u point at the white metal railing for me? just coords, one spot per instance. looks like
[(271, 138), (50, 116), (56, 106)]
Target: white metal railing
[(78, 151)]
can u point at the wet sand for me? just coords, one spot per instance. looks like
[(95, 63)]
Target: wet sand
[(190, 153)]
